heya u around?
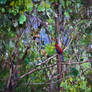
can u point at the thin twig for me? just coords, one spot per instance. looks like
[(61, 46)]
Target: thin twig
[(47, 60)]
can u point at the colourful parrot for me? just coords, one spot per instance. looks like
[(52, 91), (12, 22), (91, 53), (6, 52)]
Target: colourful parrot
[(59, 51)]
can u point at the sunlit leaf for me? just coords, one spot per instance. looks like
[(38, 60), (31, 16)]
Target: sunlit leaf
[(12, 3), (66, 14), (22, 19)]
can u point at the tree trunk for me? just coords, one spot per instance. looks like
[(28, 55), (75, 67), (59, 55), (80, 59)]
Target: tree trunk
[(52, 87), (58, 20)]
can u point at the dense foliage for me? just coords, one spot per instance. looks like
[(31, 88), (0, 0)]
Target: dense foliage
[(28, 58)]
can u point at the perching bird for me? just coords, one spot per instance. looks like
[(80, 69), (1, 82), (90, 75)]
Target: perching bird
[(59, 51)]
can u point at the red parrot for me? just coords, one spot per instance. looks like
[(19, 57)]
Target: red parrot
[(59, 51)]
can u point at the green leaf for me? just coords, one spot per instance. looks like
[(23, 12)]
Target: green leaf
[(63, 84), (12, 44), (20, 49), (68, 3), (48, 6), (3, 1), (50, 49), (66, 14), (12, 3), (40, 8), (21, 55), (63, 5), (26, 60), (71, 79), (3, 10), (22, 19), (82, 78), (68, 87), (51, 20)]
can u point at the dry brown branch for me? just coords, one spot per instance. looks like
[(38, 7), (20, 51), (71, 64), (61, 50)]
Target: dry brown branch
[(34, 70), (65, 63), (46, 83)]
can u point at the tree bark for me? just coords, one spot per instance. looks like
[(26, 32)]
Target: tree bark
[(58, 20)]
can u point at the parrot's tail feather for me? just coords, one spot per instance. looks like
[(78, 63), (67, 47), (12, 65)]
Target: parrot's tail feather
[(62, 57)]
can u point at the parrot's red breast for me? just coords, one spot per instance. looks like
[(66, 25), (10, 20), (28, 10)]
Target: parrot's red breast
[(58, 49)]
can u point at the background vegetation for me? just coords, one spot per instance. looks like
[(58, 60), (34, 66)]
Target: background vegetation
[(28, 58)]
